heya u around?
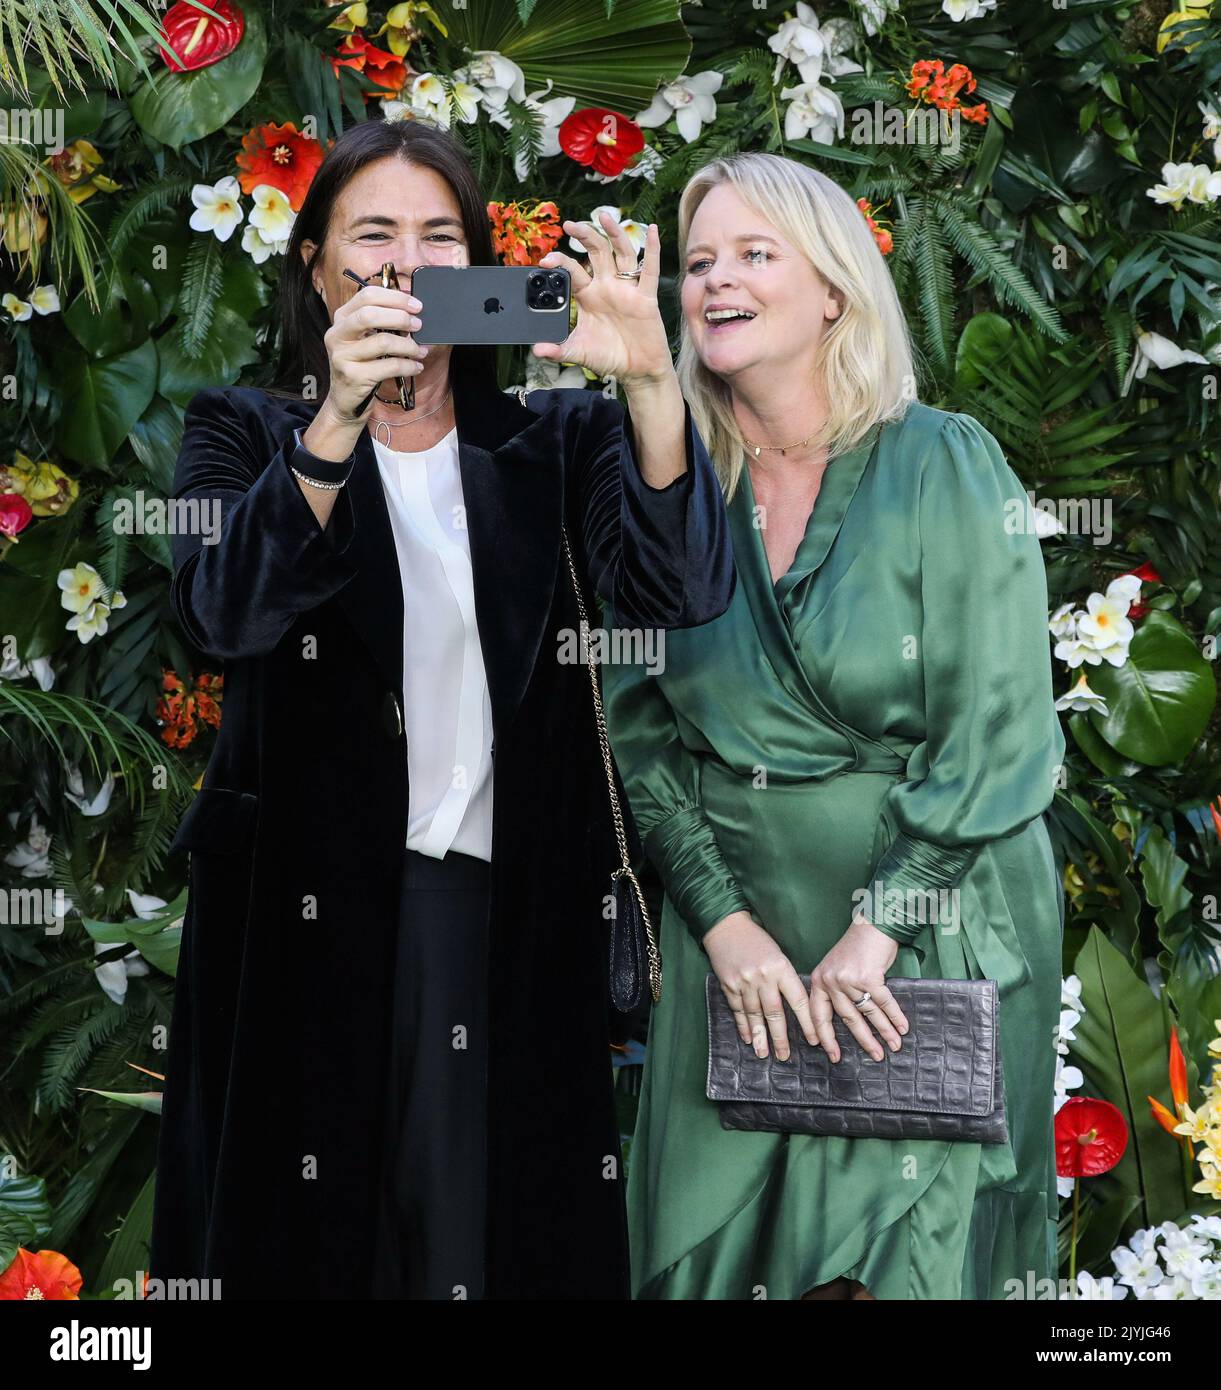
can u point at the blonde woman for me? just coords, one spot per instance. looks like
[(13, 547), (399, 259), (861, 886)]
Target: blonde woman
[(870, 722)]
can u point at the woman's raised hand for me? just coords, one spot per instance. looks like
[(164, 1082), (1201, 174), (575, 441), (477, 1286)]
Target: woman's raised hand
[(369, 342), (619, 331), (756, 976)]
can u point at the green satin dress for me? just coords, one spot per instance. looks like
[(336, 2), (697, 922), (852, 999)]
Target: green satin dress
[(882, 715)]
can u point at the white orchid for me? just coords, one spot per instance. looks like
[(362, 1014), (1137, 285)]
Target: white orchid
[(840, 38), (1193, 183), (497, 78), (689, 100), (33, 856), (218, 208), (1092, 1290), (17, 309), (637, 232), (95, 805), (1212, 127), (960, 10), (799, 41), (40, 668), (815, 112), (1082, 699), (544, 375), (1152, 350), (553, 112), (874, 13)]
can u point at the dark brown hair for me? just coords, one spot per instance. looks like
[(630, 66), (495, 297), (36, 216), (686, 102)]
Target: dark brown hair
[(303, 316)]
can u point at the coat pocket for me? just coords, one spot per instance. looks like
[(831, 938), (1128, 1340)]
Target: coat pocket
[(219, 821)]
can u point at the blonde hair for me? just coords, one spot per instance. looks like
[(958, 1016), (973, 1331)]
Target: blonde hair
[(865, 359)]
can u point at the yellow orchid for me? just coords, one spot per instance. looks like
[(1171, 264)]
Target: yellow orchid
[(22, 226), (76, 168), (45, 486), (1197, 1124), (1211, 1182), (401, 26), (351, 17)]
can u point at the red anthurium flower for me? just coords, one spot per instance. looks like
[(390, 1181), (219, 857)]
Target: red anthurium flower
[(603, 139), (15, 514), (1091, 1136), (281, 156), (47, 1274), (195, 39)]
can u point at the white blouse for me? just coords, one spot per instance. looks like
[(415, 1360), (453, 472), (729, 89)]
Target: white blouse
[(447, 715)]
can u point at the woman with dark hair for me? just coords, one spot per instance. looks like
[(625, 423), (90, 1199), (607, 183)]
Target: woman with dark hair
[(388, 1073)]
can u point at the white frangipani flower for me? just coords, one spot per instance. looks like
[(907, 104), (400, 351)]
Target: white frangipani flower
[(80, 587), (1105, 623), (218, 207), (815, 112), (636, 231), (270, 224), (1193, 183), (1082, 699), (1063, 622), (45, 300), (689, 100)]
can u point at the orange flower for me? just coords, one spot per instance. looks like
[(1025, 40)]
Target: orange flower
[(522, 233), (1215, 811), (281, 156), (1178, 1088), (886, 242), (47, 1274), (380, 67), (935, 87), (183, 711)]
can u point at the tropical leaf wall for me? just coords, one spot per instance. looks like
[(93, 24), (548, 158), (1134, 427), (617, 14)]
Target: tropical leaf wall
[(1045, 181)]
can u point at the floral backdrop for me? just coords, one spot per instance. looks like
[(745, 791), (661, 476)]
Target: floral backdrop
[(1045, 182)]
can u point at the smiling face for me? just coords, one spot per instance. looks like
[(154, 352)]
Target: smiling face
[(389, 211), (736, 259)]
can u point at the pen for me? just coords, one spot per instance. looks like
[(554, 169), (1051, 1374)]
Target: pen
[(406, 388)]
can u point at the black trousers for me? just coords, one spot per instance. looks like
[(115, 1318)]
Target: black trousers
[(431, 1238)]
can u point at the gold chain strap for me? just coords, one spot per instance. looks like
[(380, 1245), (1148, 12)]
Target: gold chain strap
[(625, 864)]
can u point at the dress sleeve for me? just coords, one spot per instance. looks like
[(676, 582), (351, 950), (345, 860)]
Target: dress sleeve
[(662, 556), (993, 739), (660, 777), (257, 557)]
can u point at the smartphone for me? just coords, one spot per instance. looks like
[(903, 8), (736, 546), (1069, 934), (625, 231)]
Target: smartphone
[(491, 304)]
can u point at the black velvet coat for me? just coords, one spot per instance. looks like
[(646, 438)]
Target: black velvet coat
[(274, 1111)]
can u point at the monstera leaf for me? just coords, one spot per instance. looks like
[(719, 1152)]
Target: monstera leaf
[(178, 107), (616, 61), (1160, 699), (103, 400)]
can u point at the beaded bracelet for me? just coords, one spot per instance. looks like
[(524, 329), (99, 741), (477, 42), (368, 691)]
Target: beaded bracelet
[(316, 482)]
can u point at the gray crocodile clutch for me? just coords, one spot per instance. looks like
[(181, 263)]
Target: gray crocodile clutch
[(945, 1082)]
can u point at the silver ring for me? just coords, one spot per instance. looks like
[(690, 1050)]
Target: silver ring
[(864, 999), (627, 274)]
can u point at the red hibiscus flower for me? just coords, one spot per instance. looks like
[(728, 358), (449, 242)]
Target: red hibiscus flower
[(47, 1274), (281, 156), (603, 139), (1091, 1136)]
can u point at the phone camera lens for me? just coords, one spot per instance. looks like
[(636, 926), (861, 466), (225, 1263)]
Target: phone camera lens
[(546, 299), (557, 281)]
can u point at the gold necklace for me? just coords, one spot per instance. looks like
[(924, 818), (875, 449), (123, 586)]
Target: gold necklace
[(414, 418), (783, 448)]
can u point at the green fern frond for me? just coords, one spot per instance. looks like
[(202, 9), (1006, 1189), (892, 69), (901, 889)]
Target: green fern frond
[(147, 204), (980, 251), (202, 276)]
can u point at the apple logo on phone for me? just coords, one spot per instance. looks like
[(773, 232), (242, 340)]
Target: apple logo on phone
[(493, 306)]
